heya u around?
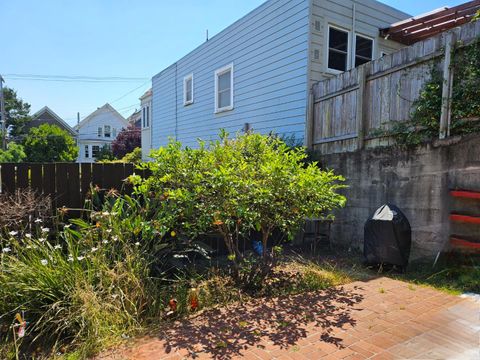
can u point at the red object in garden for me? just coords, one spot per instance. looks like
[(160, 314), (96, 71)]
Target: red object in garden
[(173, 304), (193, 299), (465, 219), (465, 194), (459, 242)]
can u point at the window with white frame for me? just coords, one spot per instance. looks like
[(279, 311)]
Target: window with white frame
[(95, 151), (188, 90), (107, 132), (363, 50), (224, 89), (337, 49), (100, 132), (114, 132), (146, 116), (87, 152)]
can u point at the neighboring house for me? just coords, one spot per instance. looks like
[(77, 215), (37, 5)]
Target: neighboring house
[(146, 119), (47, 116), (98, 129), (257, 73), (135, 119)]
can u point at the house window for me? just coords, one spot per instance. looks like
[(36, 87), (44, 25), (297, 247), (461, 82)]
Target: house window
[(363, 50), (337, 49), (146, 116), (107, 131), (114, 132), (99, 132), (187, 90), (224, 89), (87, 153), (95, 151)]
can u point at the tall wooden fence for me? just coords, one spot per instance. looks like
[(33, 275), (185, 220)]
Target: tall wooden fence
[(66, 183), (346, 109)]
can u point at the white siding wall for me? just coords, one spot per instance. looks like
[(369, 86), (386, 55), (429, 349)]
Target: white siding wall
[(370, 16), (269, 51)]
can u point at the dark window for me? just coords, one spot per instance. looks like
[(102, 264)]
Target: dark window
[(87, 155), (148, 116), (363, 50), (337, 49), (95, 150)]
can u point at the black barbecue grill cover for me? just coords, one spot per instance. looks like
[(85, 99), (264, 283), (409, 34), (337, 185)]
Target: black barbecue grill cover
[(388, 237)]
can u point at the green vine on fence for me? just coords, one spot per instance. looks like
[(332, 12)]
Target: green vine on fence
[(424, 123)]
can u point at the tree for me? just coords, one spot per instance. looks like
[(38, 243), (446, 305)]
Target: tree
[(14, 153), (49, 143), (105, 154), (127, 140), (16, 112), (237, 186)]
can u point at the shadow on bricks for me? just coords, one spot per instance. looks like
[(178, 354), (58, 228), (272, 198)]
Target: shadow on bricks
[(227, 332)]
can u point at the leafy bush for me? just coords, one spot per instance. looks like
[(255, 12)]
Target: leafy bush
[(127, 140), (14, 153), (236, 186), (49, 143)]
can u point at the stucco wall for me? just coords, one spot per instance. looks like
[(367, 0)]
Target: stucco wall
[(417, 181)]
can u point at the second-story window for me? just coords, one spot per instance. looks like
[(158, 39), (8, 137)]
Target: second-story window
[(363, 50), (146, 116), (100, 132), (337, 49), (224, 89), (107, 131), (187, 90)]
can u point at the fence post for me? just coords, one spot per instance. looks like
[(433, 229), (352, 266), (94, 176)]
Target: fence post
[(310, 127), (359, 115), (447, 87)]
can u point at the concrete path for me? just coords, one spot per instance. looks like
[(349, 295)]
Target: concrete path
[(378, 319)]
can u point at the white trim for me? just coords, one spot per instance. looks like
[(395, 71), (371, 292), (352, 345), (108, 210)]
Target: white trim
[(217, 74), (185, 79), (354, 46), (327, 52)]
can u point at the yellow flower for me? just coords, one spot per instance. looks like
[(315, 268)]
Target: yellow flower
[(173, 233)]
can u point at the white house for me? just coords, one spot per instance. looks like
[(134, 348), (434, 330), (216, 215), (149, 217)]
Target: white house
[(98, 129), (258, 72)]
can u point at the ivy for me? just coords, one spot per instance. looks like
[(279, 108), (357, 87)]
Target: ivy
[(424, 123)]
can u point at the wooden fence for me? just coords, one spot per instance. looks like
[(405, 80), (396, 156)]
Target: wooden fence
[(346, 109), (66, 183)]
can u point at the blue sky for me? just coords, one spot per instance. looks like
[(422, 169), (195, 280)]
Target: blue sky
[(113, 38)]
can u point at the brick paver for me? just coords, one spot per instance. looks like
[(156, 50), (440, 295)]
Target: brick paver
[(377, 319)]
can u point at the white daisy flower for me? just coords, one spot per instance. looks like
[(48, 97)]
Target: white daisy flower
[(108, 231), (80, 258), (67, 226), (57, 247), (44, 262), (13, 233), (45, 230), (70, 258), (38, 220), (28, 246), (94, 249), (105, 241), (6, 250), (41, 240), (137, 244), (28, 236), (115, 238)]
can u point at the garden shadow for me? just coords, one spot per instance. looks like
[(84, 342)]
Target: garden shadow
[(227, 332)]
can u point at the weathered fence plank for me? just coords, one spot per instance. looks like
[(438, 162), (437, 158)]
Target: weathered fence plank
[(350, 107)]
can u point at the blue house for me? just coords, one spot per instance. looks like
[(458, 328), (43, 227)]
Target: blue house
[(257, 73)]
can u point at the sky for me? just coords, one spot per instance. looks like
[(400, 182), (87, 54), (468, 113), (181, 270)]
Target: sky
[(133, 40)]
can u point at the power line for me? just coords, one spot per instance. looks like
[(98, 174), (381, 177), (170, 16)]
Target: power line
[(74, 78)]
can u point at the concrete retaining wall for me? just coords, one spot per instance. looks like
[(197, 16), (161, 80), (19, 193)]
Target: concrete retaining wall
[(417, 181)]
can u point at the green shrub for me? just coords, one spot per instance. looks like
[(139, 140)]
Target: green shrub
[(14, 153), (236, 186)]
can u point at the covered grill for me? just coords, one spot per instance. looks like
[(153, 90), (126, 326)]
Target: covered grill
[(387, 237)]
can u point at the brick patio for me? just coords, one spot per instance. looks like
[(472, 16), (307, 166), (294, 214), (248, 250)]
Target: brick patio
[(378, 319)]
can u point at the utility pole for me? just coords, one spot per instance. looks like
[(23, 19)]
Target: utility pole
[(3, 118)]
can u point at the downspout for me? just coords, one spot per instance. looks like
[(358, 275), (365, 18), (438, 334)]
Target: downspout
[(176, 103)]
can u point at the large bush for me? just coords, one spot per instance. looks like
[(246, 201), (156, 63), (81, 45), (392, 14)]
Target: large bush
[(14, 153), (237, 186)]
